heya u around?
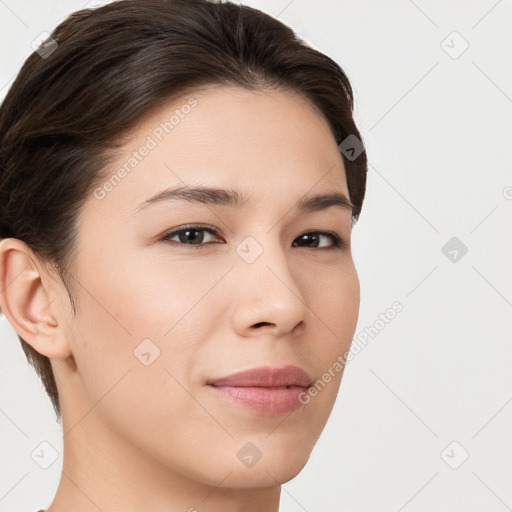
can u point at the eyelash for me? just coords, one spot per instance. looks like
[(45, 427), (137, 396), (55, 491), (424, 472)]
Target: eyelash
[(337, 242)]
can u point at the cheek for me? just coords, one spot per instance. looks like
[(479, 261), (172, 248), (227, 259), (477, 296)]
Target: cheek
[(132, 298), (334, 299), (145, 320), (132, 377), (335, 303), (155, 297), (336, 309)]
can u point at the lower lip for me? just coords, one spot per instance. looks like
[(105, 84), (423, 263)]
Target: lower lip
[(267, 402)]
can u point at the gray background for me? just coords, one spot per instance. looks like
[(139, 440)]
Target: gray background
[(434, 385)]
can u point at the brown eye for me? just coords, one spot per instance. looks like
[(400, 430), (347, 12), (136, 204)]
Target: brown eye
[(313, 238), (195, 236), (190, 235)]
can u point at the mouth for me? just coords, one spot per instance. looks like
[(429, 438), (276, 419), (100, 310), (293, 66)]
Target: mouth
[(266, 376), (265, 391)]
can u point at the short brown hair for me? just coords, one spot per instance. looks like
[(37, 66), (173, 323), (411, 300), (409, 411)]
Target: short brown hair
[(105, 68)]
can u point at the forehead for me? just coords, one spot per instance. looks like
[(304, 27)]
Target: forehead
[(259, 141), (221, 116)]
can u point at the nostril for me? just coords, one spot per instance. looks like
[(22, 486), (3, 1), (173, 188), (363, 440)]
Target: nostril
[(262, 323)]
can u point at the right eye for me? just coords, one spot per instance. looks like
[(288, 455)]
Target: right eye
[(190, 235)]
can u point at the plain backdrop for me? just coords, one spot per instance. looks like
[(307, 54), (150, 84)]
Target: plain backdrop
[(423, 420)]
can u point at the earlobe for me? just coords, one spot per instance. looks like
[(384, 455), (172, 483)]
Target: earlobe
[(25, 302)]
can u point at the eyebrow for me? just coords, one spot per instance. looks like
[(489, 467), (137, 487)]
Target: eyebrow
[(233, 199)]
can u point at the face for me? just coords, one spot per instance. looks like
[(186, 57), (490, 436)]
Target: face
[(176, 293)]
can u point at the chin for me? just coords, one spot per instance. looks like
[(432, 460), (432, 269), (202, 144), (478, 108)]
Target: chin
[(276, 470), (254, 479)]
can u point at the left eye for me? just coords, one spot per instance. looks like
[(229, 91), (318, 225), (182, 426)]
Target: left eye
[(314, 237), (194, 235)]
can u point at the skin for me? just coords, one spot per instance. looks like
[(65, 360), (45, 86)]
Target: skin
[(154, 437)]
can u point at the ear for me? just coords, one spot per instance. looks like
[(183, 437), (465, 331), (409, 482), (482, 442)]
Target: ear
[(24, 299)]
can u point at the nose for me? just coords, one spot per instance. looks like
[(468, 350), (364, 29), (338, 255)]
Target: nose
[(268, 295)]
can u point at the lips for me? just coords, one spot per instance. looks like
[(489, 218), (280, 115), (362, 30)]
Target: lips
[(266, 376), (266, 391)]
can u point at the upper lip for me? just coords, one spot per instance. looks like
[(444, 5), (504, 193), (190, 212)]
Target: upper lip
[(266, 376)]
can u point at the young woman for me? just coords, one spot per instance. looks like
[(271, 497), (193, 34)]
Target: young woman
[(178, 184)]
